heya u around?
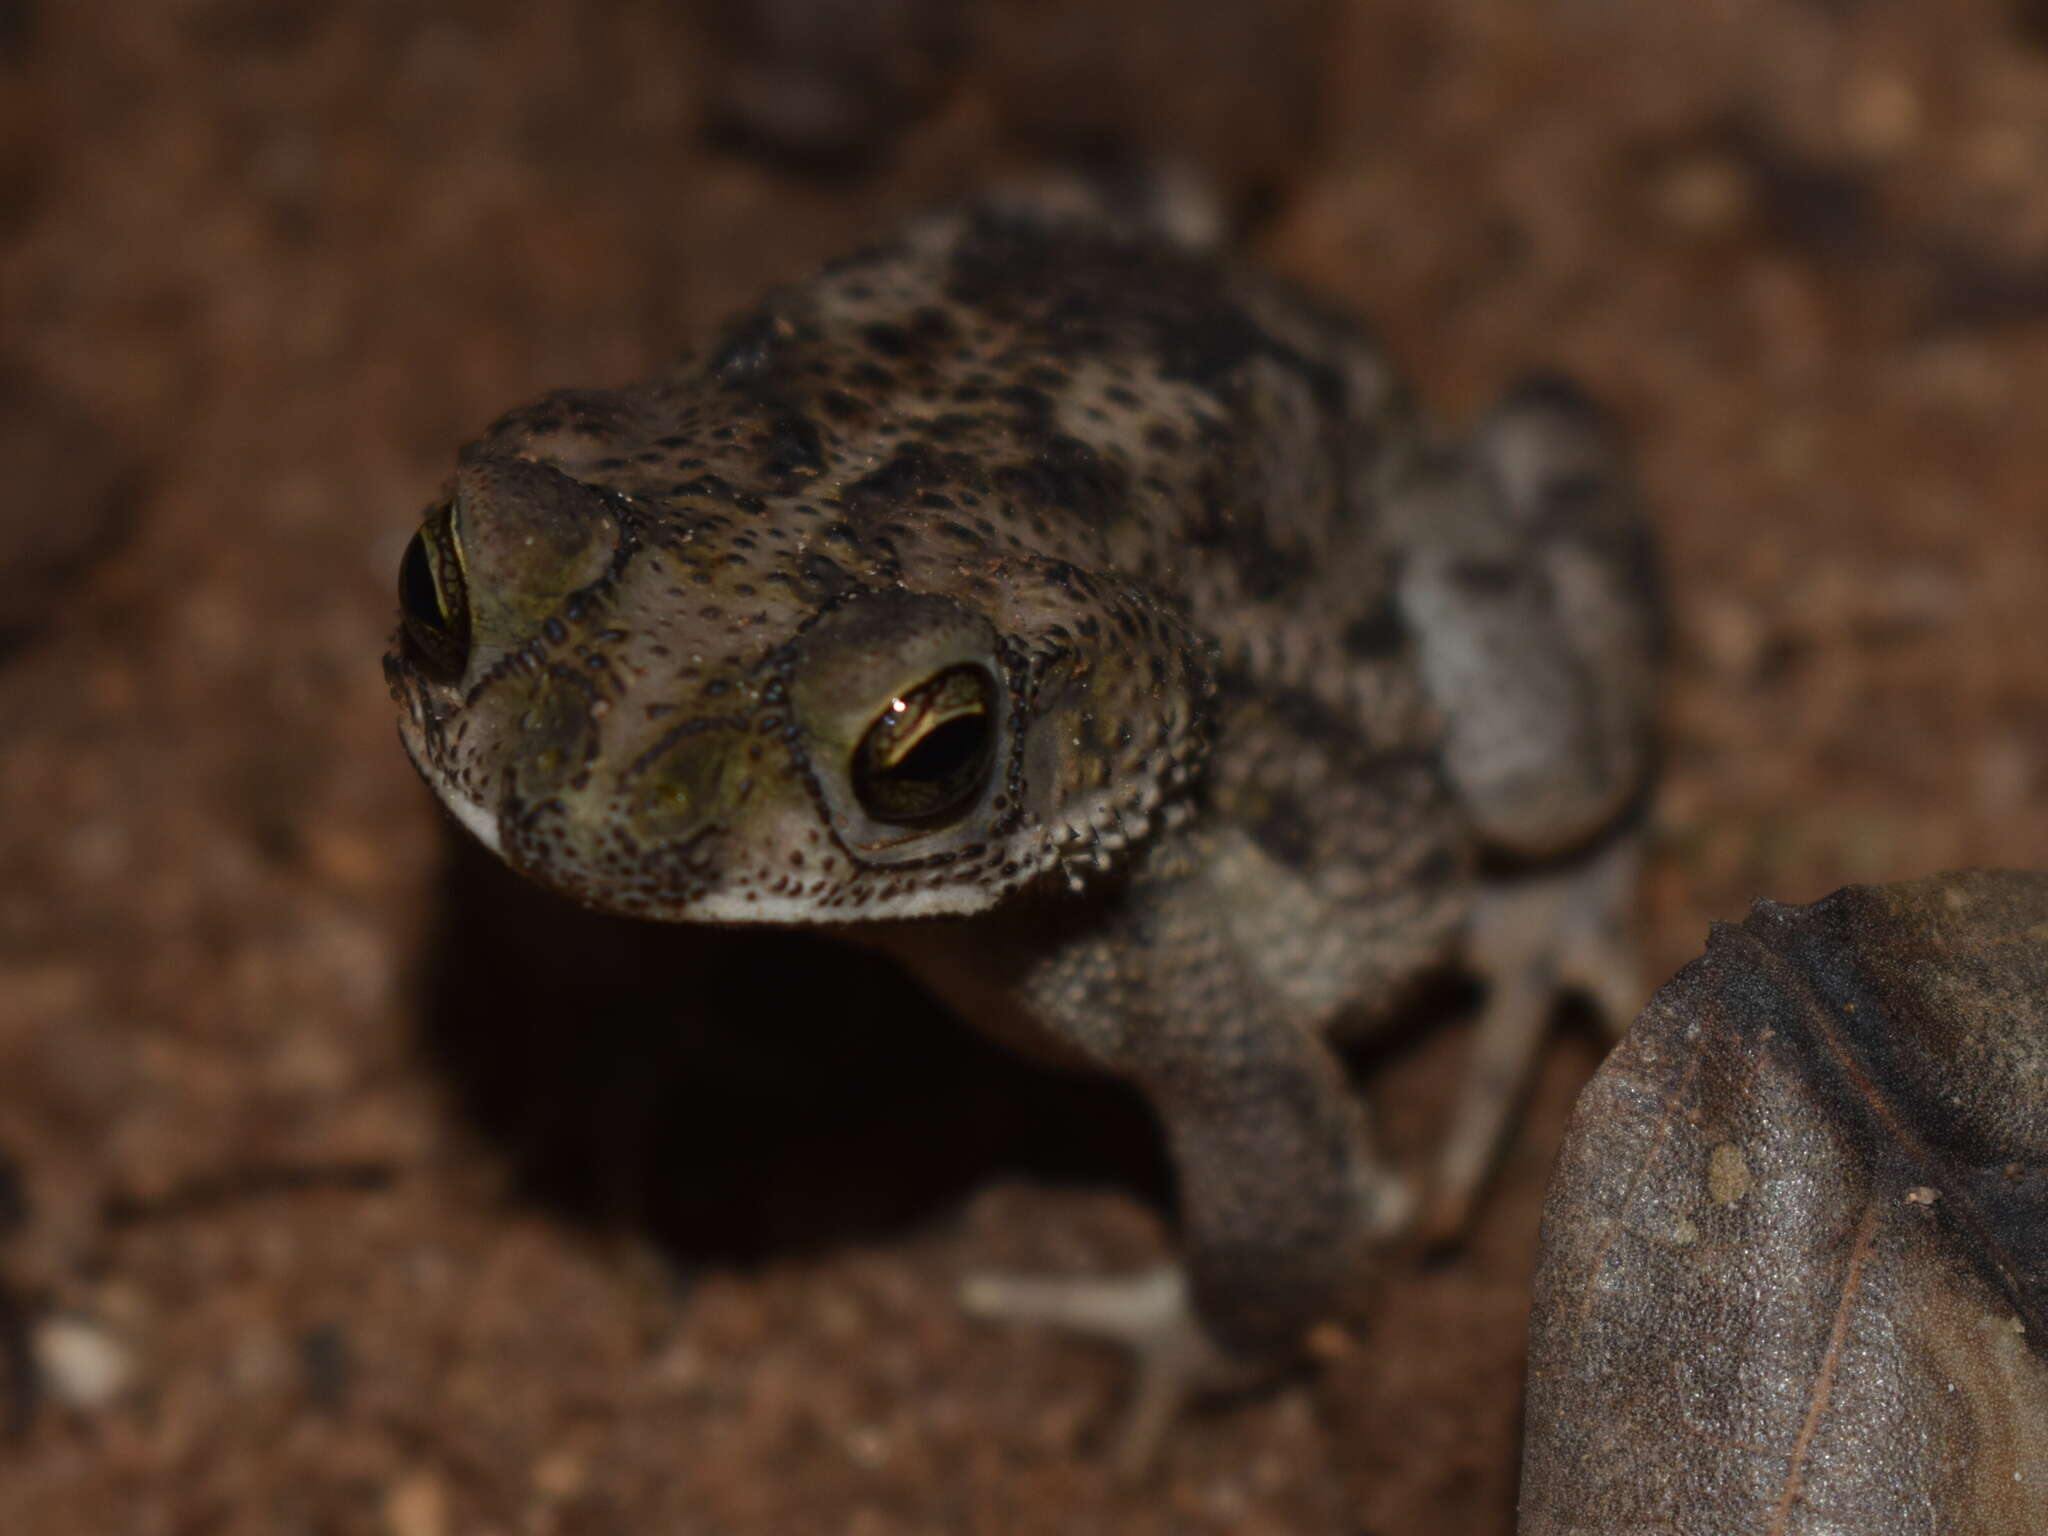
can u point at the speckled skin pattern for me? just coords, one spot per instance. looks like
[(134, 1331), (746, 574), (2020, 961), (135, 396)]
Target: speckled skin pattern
[(1095, 624)]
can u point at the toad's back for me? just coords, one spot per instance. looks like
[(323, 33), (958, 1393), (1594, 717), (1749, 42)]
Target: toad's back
[(996, 385)]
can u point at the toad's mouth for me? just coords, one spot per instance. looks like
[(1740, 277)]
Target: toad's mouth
[(479, 820), (683, 878)]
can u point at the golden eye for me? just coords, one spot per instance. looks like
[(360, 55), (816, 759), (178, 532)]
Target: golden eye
[(928, 754), (435, 619)]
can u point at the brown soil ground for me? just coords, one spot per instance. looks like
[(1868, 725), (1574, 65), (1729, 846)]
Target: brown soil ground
[(362, 1159)]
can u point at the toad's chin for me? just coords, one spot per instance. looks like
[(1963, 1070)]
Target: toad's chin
[(475, 818)]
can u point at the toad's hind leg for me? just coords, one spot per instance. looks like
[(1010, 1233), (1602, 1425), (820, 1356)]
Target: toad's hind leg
[(1529, 585), (1534, 939)]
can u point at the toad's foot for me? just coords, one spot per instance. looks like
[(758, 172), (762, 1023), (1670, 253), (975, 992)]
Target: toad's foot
[(1535, 940), (1151, 1315)]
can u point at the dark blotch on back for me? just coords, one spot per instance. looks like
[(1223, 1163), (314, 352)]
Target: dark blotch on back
[(928, 327), (912, 467), (1068, 474), (751, 350), (1286, 831), (1376, 634), (794, 447), (1234, 525), (825, 577), (1089, 292), (889, 340)]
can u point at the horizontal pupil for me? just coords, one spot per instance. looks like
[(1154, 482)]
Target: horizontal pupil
[(942, 752), (912, 732)]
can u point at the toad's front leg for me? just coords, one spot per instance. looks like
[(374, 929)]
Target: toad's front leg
[(1282, 1196)]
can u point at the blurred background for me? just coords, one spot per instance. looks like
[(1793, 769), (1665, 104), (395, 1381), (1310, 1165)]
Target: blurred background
[(345, 1187)]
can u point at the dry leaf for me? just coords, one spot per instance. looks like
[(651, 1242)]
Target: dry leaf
[(1795, 1257)]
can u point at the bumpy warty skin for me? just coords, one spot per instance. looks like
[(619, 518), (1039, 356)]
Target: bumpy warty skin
[(1130, 467), (1038, 572)]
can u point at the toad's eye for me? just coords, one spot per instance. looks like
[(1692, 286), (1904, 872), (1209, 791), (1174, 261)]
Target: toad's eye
[(435, 618), (928, 755)]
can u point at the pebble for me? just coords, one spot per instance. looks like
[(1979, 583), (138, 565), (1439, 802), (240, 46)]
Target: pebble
[(81, 1364)]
